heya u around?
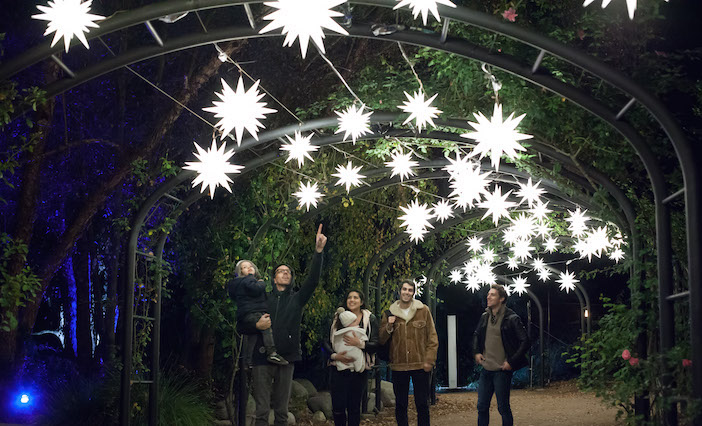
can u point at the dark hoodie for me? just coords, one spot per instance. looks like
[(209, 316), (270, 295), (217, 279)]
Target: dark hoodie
[(285, 308), (250, 295)]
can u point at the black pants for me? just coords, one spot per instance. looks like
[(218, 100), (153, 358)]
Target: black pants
[(271, 389), (347, 393), (400, 384), (267, 334)]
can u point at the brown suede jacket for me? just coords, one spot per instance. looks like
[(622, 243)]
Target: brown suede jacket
[(413, 339)]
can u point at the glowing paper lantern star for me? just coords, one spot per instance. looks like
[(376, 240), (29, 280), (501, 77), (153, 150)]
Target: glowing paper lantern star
[(416, 220), (538, 264), (544, 274), (496, 137), (458, 166), (597, 240), (475, 244), (304, 20), (468, 186), (567, 281), (401, 164), (577, 221), (299, 148), (348, 176), (308, 195), (420, 110), (424, 6), (522, 250), (496, 204), (473, 283), (484, 274), (488, 255), (519, 285), (617, 254), (456, 276), (68, 18), (523, 226), (512, 263), (530, 193), (239, 110), (442, 210), (419, 286), (213, 167), (540, 211), (354, 122), (550, 245), (630, 5)]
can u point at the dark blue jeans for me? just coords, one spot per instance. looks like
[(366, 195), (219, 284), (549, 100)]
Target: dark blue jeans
[(422, 386), (499, 383)]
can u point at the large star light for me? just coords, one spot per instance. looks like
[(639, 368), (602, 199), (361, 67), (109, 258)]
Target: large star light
[(458, 166), (630, 5), (512, 263), (578, 222), (442, 210), (522, 250), (544, 274), (68, 18), (420, 110), (354, 122), (308, 195), (299, 148), (401, 164), (424, 7), (416, 220), (213, 167), (538, 264), (472, 283), (304, 20), (567, 281), (456, 276), (540, 211), (496, 204), (530, 193), (551, 244), (617, 254), (348, 176), (239, 110), (468, 186), (519, 285), (496, 137), (475, 244), (523, 226), (597, 240)]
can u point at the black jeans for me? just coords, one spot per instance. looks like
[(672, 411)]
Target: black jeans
[(347, 394), (271, 386), (400, 384), (499, 383), (268, 343)]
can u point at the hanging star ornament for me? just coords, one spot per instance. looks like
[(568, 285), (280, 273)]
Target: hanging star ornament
[(496, 204), (475, 244), (442, 210), (212, 167), (568, 281), (456, 276), (420, 110), (578, 222), (354, 122), (348, 176), (424, 7), (416, 220), (630, 5), (239, 110), (304, 20), (299, 148), (496, 137), (519, 285), (469, 186), (544, 274), (550, 245), (401, 164), (617, 254), (308, 195), (530, 193), (68, 18)]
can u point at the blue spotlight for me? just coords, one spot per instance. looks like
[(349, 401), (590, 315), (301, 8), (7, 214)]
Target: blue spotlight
[(24, 399)]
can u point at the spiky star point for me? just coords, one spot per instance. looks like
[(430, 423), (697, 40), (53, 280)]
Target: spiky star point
[(213, 167), (420, 110), (424, 7), (68, 18), (353, 122)]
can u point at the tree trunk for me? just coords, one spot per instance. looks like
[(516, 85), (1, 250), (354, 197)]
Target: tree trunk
[(81, 272)]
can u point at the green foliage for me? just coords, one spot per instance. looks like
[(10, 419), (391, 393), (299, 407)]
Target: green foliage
[(15, 289)]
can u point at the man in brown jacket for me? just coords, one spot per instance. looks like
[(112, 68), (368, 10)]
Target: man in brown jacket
[(413, 347)]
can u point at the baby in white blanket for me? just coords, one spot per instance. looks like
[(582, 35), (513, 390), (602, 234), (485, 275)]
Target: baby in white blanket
[(346, 318)]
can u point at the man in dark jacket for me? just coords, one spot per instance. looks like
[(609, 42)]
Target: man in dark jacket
[(272, 383), (500, 344)]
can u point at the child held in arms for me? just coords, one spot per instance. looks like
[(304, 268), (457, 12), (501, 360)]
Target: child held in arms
[(347, 319), (249, 291)]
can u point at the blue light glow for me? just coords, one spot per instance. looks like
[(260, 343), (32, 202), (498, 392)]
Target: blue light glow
[(24, 399)]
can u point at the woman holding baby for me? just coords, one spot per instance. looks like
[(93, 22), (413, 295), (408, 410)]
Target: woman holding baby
[(353, 339)]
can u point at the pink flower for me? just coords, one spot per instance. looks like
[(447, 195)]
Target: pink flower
[(634, 362), (686, 363), (510, 14), (626, 354)]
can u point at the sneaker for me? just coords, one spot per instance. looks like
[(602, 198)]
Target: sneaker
[(274, 358)]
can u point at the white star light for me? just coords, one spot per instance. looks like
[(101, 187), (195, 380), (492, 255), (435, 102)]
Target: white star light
[(544, 274), (401, 164), (617, 254), (519, 285), (550, 245), (308, 195), (488, 255), (416, 220), (420, 110), (496, 204), (304, 20), (530, 193), (472, 283), (577, 221), (484, 274), (456, 276), (424, 6), (354, 122), (468, 186), (299, 148), (630, 5), (496, 137), (567, 281), (212, 167), (540, 211), (459, 165), (475, 244), (512, 264), (348, 176), (419, 286), (68, 18), (239, 110), (523, 226), (597, 240), (442, 210), (522, 250), (538, 264)]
